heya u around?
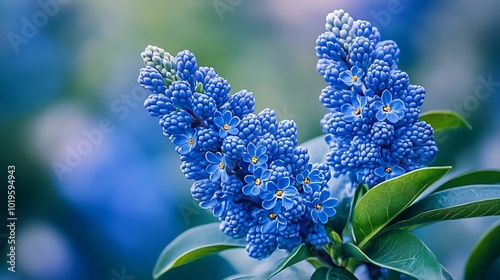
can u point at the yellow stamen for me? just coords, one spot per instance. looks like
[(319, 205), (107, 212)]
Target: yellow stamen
[(191, 141), (318, 206), (254, 159), (225, 126), (358, 111), (278, 193), (257, 181), (222, 165), (272, 216), (388, 169), (307, 180), (387, 108), (354, 78)]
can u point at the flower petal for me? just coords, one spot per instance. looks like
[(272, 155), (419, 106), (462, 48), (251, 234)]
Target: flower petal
[(290, 191), (362, 101), (223, 176), (397, 105), (268, 204), (381, 115), (323, 218), (227, 116), (219, 122), (211, 157), (234, 121), (267, 195), (386, 97), (251, 149), (347, 109), (268, 227), (392, 117), (233, 130), (323, 196), (287, 203), (261, 151), (215, 176), (247, 189), (255, 190), (222, 133), (380, 171), (378, 105), (329, 203), (398, 171), (346, 77)]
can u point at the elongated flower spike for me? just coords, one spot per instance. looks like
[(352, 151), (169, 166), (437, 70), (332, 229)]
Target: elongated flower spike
[(372, 108), (246, 166)]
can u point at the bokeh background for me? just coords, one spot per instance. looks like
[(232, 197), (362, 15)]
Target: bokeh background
[(109, 215)]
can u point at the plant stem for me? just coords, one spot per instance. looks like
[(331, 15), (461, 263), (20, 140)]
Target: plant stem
[(351, 265)]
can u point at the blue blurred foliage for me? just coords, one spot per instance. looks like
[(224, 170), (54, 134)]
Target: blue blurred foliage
[(127, 199)]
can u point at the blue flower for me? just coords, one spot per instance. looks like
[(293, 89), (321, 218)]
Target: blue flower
[(278, 194), (353, 111), (310, 179), (389, 169), (352, 77), (388, 108), (322, 207), (227, 123), (216, 167), (185, 142), (256, 181), (256, 156), (272, 220)]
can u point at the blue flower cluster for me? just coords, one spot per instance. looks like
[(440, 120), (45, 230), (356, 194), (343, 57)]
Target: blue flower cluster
[(373, 126), (247, 167)]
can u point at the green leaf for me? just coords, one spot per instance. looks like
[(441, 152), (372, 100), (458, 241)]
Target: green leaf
[(193, 244), (478, 177), (358, 194), (451, 204), (441, 120), (384, 202), (486, 251), (401, 251), (298, 254), (334, 273)]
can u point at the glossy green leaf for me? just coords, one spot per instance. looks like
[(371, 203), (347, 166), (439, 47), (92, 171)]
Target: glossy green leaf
[(334, 273), (358, 194), (451, 204), (441, 120), (486, 251), (297, 255), (477, 177), (380, 205), (401, 251), (193, 244)]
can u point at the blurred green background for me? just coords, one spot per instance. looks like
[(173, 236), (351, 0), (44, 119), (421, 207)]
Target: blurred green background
[(69, 66)]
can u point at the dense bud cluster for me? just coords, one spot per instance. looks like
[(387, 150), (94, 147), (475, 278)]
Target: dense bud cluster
[(373, 126), (247, 167)]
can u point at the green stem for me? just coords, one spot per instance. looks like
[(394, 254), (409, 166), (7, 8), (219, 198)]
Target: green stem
[(316, 262), (351, 265)]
